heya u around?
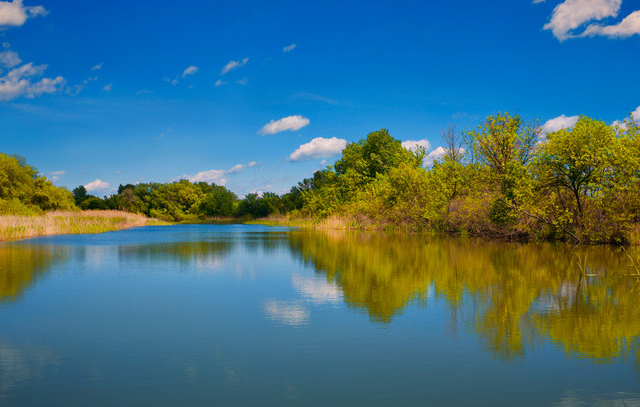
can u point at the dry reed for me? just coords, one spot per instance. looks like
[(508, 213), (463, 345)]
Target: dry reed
[(14, 227)]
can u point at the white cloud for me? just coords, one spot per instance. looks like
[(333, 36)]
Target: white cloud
[(220, 82), (55, 175), (319, 147), (107, 88), (538, 1), (635, 116), (242, 81), (14, 14), (189, 71), (558, 123), (412, 145), (629, 26), (436, 154), (9, 59), (219, 177), (572, 14), (19, 82), (291, 123), (97, 185), (233, 65), (289, 48), (97, 67), (144, 92)]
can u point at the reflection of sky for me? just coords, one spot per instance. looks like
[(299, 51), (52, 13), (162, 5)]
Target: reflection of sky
[(316, 289), (292, 313), (18, 365), (574, 399)]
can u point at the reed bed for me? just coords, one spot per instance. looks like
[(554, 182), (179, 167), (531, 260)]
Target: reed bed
[(13, 227)]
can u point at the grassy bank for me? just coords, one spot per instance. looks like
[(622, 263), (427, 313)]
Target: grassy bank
[(69, 222)]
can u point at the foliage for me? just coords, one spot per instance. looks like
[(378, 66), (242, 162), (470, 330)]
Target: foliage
[(25, 192)]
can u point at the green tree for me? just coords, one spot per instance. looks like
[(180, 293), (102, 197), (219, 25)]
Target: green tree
[(24, 191), (578, 159), (501, 140)]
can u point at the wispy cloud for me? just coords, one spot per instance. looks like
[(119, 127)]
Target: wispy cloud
[(233, 65), (189, 71), (319, 147), (219, 177), (570, 15), (291, 123), (314, 97), (75, 90), (21, 81), (171, 81), (97, 67), (289, 48), (97, 185), (108, 88), (9, 59), (54, 176), (220, 82), (558, 123), (412, 145), (15, 14), (242, 81), (144, 92)]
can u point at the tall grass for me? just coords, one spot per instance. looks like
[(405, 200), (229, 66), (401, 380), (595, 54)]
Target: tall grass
[(14, 227)]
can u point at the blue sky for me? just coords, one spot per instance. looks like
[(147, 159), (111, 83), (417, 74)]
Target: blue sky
[(257, 95)]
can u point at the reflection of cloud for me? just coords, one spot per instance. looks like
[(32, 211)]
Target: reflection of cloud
[(209, 264), (19, 364), (287, 312), (317, 290)]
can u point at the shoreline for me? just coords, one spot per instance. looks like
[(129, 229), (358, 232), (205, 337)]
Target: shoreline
[(18, 227)]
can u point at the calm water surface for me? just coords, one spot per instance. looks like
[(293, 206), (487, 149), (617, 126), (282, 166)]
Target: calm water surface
[(236, 315)]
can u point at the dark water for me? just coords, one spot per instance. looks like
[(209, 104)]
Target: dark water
[(206, 315)]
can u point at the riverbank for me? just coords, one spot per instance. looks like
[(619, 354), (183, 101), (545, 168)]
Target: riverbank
[(13, 227)]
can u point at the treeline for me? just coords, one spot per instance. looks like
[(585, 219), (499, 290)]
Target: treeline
[(186, 201), (503, 179)]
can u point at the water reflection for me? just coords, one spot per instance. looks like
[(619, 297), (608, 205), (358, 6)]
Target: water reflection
[(20, 364), (205, 256), (510, 295), (22, 265)]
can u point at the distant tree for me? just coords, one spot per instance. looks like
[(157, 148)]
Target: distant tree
[(376, 154), (79, 194), (219, 202)]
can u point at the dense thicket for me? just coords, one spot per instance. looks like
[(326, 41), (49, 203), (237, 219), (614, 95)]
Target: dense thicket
[(507, 179), (25, 192)]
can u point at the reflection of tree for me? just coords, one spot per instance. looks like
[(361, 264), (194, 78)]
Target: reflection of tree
[(203, 254), (21, 265), (513, 293), (603, 322)]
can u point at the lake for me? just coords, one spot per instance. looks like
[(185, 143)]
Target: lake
[(248, 315)]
